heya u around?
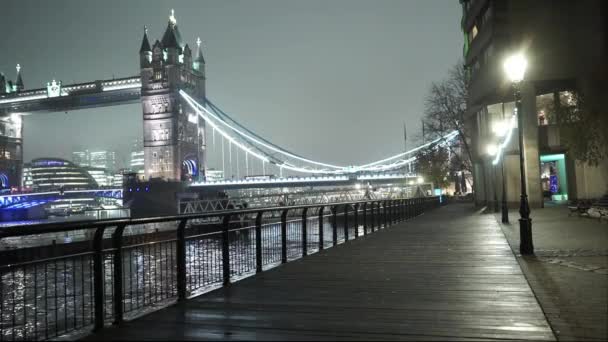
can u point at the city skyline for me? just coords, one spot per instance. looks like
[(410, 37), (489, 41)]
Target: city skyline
[(284, 78)]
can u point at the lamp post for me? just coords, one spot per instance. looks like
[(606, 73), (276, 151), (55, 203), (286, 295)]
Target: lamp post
[(505, 209), (494, 190), (515, 67), (492, 150), (501, 129)]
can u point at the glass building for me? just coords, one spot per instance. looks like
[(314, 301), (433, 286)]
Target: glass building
[(55, 173)]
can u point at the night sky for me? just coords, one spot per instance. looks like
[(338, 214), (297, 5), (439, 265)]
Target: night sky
[(331, 80)]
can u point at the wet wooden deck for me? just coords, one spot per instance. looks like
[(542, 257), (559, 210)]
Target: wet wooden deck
[(446, 275)]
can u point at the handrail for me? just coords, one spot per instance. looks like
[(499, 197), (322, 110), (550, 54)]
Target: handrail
[(115, 279), (54, 227)]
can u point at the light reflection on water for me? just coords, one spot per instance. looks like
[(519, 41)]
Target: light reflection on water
[(50, 299)]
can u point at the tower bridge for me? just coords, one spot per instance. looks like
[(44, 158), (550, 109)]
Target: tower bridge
[(181, 125)]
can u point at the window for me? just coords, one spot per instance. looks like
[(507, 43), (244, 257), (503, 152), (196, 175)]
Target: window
[(158, 75), (161, 134), (545, 109)]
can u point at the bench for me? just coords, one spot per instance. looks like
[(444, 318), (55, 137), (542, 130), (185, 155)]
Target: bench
[(579, 207), (582, 207)]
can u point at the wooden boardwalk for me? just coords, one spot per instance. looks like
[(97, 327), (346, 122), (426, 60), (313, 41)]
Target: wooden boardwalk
[(446, 275)]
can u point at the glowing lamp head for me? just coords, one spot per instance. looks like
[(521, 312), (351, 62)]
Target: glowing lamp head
[(492, 149), (420, 180), (515, 67), (358, 186)]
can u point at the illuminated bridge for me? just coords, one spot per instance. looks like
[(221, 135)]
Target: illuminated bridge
[(183, 128)]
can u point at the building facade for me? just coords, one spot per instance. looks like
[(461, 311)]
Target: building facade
[(81, 158), (44, 174), (173, 134), (565, 43), (103, 160)]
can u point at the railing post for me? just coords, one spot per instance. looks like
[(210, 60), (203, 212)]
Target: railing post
[(321, 238), (226, 249), (356, 220), (98, 279), (284, 236), (385, 214), (334, 224), (118, 286), (346, 222), (372, 216), (378, 216), (364, 218), (181, 260), (304, 232), (413, 208), (258, 242)]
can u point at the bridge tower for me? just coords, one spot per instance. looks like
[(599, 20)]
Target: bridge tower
[(11, 137), (174, 140)]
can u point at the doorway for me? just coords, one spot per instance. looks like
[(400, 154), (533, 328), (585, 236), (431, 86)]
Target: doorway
[(553, 178)]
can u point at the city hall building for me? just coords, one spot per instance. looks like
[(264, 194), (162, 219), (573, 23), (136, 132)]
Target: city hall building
[(565, 44)]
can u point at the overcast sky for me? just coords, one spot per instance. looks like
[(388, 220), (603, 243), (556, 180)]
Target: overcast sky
[(333, 80)]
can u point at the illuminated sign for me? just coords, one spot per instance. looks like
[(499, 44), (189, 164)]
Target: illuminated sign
[(49, 163)]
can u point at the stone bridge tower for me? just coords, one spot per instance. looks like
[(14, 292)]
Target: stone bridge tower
[(174, 140)]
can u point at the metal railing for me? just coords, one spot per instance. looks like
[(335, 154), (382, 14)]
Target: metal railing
[(124, 273)]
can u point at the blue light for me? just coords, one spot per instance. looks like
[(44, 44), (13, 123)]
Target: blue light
[(137, 189), (147, 188)]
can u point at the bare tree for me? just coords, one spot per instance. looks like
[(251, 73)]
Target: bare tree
[(434, 164), (445, 109)]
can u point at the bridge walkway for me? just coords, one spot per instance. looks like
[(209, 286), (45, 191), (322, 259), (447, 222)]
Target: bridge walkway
[(446, 275)]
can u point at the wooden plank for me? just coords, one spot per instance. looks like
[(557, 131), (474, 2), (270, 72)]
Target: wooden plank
[(447, 275)]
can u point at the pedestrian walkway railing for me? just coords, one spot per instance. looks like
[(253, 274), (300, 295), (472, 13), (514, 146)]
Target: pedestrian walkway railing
[(123, 268)]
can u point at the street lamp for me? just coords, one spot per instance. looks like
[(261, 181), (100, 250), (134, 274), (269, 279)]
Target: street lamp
[(500, 129), (492, 150), (515, 68)]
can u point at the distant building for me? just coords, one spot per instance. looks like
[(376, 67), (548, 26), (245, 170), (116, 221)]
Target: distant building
[(566, 44), (55, 173), (117, 180), (101, 176), (28, 181), (103, 159), (81, 158), (96, 159), (137, 161)]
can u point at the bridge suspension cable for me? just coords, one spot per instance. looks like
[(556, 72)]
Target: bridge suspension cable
[(252, 143)]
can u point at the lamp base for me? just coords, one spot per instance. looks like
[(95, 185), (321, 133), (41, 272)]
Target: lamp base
[(525, 236)]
